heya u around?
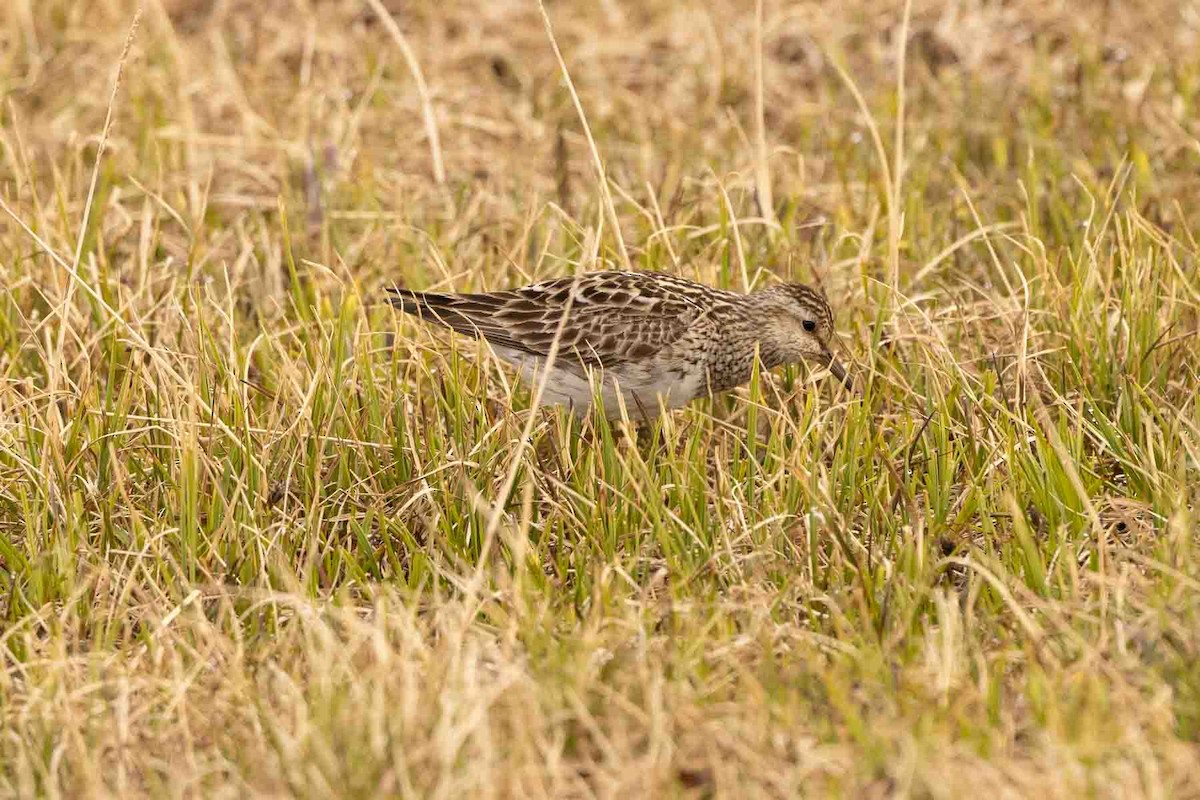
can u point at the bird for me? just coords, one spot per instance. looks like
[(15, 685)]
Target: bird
[(648, 340)]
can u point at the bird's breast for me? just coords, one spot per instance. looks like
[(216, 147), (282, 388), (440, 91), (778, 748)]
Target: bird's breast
[(640, 385)]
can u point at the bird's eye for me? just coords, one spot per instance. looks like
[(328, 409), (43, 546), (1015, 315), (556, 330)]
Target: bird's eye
[(809, 325)]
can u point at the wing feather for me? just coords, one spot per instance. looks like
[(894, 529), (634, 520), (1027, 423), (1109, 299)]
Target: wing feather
[(613, 317)]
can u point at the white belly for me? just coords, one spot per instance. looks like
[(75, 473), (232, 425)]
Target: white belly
[(643, 388)]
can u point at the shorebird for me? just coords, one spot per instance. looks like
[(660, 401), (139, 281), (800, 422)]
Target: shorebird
[(649, 337)]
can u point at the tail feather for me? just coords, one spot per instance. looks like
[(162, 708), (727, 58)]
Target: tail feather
[(413, 302), (432, 307), (461, 313)]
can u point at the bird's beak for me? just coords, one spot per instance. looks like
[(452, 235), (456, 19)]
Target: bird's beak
[(836, 369)]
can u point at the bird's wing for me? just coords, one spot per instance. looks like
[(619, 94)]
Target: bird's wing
[(612, 317)]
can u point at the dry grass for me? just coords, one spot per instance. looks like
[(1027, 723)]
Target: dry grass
[(246, 545)]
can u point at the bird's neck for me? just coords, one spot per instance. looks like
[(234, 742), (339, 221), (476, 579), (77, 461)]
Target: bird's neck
[(732, 365)]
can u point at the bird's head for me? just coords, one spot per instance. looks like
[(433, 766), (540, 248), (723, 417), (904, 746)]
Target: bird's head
[(798, 325)]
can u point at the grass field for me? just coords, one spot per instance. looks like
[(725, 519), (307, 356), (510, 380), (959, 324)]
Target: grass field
[(262, 537)]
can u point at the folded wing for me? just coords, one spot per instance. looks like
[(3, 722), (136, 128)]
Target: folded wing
[(611, 317)]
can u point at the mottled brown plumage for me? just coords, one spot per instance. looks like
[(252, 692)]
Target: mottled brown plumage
[(648, 337)]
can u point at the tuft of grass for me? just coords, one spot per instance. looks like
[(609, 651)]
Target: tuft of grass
[(259, 536)]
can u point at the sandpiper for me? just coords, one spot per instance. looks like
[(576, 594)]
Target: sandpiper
[(649, 337)]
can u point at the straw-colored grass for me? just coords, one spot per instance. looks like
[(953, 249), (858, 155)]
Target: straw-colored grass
[(255, 538)]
